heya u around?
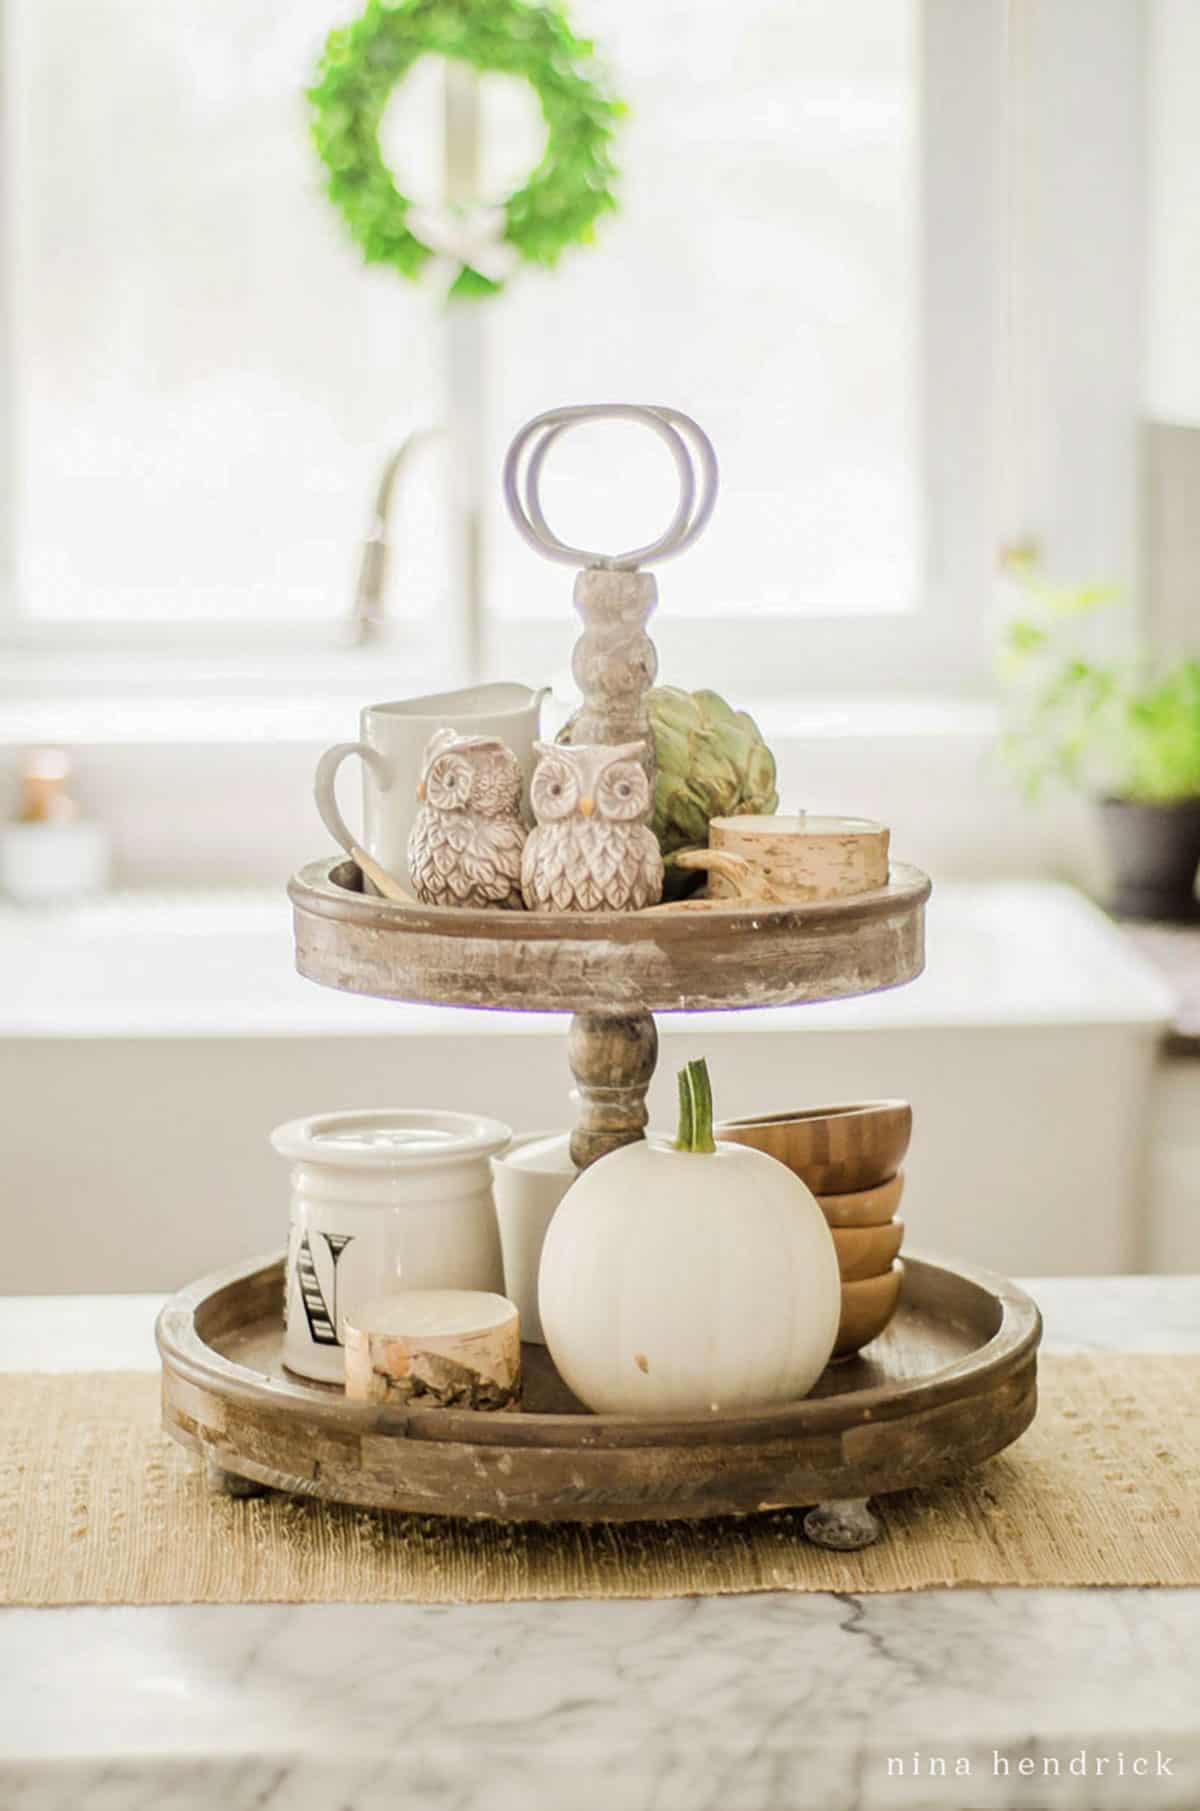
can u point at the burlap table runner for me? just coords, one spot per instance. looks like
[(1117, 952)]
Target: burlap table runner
[(98, 1507)]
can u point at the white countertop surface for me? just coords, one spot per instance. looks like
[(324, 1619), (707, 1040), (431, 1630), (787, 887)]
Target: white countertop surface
[(759, 1703)]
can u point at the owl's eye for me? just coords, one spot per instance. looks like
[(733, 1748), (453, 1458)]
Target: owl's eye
[(451, 781)]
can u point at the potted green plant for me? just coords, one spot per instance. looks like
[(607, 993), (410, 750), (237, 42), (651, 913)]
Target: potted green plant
[(1124, 730)]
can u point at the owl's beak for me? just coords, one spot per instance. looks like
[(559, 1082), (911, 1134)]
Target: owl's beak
[(420, 789), (586, 807)]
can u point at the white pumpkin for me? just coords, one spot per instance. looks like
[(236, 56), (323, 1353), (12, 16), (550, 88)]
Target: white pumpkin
[(687, 1278)]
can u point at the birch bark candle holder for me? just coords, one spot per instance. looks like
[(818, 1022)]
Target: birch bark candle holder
[(435, 1348), (799, 858)]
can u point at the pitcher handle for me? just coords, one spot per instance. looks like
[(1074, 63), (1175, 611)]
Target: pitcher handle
[(325, 794), (326, 780)]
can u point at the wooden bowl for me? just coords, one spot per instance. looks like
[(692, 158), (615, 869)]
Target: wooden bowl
[(833, 1149), (864, 1206), (866, 1251), (867, 1307)]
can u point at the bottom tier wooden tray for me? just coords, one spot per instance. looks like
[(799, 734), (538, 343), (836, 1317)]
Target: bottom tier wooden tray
[(952, 1381)]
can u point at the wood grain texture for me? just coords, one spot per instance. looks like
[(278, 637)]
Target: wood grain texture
[(866, 1251), (848, 1149), (609, 962), (867, 1307), (952, 1381), (612, 1059), (863, 1207)]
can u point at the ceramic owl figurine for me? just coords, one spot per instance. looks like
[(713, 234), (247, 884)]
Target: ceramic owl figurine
[(465, 846), (592, 849)]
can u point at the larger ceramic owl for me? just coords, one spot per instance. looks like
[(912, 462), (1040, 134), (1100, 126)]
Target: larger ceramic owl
[(592, 849), (465, 846)]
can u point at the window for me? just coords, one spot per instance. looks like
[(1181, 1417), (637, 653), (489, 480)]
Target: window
[(762, 276), (204, 378), (203, 374)]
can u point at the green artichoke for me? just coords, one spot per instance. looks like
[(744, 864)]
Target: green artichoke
[(712, 762)]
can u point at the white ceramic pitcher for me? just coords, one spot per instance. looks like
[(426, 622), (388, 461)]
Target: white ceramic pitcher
[(392, 740)]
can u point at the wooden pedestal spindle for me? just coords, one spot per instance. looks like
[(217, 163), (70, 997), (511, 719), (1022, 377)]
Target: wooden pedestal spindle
[(613, 1054), (612, 1058), (614, 662)]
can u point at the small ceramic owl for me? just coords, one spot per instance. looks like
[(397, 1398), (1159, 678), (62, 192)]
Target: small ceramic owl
[(592, 849), (465, 846)]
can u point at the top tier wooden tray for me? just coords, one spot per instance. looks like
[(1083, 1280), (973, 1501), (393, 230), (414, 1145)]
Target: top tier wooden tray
[(612, 970), (607, 962)]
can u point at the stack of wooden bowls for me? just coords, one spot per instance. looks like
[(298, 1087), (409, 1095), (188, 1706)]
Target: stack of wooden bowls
[(850, 1158)]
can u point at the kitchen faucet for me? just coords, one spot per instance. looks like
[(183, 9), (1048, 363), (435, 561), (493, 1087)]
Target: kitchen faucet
[(368, 609)]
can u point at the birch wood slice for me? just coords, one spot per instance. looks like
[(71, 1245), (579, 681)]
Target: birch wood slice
[(952, 1381), (437, 1348), (802, 858), (758, 955)]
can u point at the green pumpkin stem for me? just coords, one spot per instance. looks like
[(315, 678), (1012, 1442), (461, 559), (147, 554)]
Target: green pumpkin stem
[(683, 1137), (695, 1109)]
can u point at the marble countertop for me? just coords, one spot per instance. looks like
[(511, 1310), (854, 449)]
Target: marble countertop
[(761, 1703)]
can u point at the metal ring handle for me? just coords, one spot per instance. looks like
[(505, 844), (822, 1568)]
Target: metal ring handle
[(685, 440), (547, 540)]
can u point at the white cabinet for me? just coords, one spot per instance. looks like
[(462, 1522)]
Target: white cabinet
[(1173, 1233)]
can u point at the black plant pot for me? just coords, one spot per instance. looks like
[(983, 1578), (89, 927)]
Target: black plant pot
[(1153, 852)]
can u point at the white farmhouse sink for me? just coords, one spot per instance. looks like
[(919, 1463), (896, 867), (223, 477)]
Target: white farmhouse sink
[(149, 1043)]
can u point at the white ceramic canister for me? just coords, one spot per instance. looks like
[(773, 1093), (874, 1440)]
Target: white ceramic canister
[(529, 1180), (383, 1200)]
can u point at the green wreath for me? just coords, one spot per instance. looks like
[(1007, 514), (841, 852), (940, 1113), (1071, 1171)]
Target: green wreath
[(361, 64)]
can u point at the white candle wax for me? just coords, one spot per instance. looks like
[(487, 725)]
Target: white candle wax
[(431, 1313), (803, 823)]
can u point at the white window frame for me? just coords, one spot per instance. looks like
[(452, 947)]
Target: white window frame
[(995, 76)]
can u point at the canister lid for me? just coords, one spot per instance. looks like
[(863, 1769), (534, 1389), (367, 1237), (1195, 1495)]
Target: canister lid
[(390, 1138)]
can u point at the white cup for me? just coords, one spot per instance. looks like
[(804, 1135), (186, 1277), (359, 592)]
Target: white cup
[(392, 741), (529, 1180), (382, 1201)]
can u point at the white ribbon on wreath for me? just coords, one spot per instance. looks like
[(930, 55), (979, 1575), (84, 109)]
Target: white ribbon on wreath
[(473, 236)]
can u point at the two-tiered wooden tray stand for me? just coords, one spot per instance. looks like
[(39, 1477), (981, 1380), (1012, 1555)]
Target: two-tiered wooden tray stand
[(951, 1381)]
